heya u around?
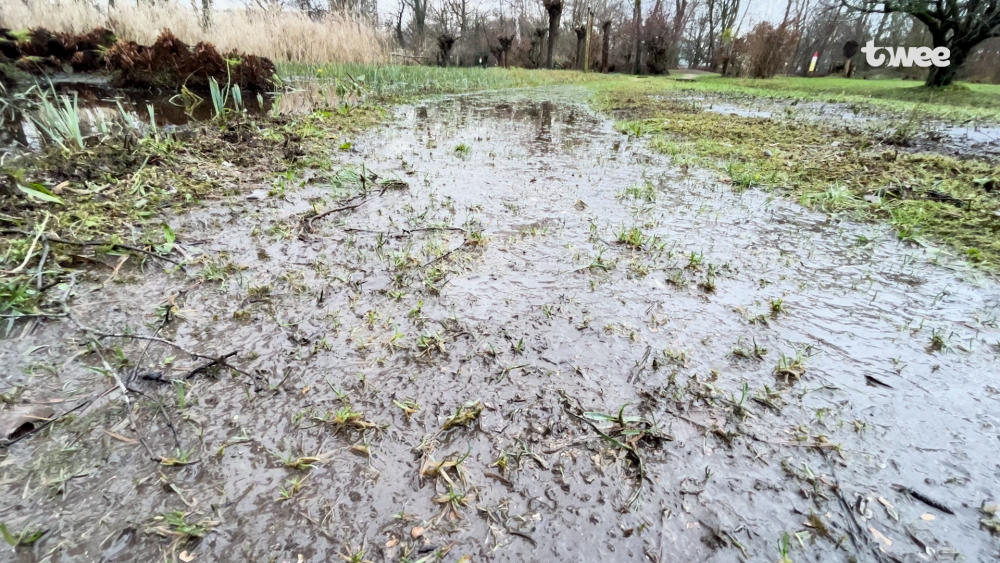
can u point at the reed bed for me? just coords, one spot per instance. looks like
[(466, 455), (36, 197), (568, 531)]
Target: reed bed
[(280, 35)]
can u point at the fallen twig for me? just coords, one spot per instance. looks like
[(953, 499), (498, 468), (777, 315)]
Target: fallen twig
[(924, 499), (310, 220)]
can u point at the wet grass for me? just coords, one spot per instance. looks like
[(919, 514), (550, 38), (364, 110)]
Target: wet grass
[(841, 170), (397, 83), (119, 191), (958, 102)]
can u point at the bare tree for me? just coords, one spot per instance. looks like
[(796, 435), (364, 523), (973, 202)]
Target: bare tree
[(400, 38), (958, 25), (605, 44), (680, 19), (419, 8), (637, 26), (554, 9), (581, 38)]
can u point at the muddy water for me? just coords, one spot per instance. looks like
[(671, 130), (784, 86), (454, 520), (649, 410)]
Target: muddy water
[(548, 317)]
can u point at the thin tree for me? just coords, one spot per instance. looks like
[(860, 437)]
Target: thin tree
[(605, 44), (581, 37), (958, 25), (637, 26), (419, 8)]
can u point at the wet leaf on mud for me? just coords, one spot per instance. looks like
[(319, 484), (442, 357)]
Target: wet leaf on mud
[(23, 419), (883, 541), (38, 191), (990, 520), (408, 407), (176, 524), (25, 538), (168, 240), (890, 509), (464, 415)]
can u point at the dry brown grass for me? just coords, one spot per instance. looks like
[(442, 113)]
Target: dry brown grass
[(280, 36)]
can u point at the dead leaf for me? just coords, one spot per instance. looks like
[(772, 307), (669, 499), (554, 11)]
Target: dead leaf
[(121, 438), (927, 516), (889, 508), (392, 542), (883, 541), (186, 557), (22, 419)]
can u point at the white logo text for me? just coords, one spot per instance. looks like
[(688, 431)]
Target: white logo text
[(907, 56)]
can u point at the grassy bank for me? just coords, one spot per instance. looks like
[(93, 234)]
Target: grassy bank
[(398, 83), (826, 165), (956, 103)]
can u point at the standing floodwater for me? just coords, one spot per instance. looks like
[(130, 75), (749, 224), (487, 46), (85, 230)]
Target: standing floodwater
[(551, 344)]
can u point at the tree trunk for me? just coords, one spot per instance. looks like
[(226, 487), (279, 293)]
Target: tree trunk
[(944, 75), (581, 38), (399, 27), (586, 41), (605, 45), (637, 26), (554, 8)]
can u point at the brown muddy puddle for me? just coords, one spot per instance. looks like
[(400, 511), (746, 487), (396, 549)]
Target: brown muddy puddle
[(548, 317)]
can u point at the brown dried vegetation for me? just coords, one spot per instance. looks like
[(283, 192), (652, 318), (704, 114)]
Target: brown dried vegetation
[(170, 63)]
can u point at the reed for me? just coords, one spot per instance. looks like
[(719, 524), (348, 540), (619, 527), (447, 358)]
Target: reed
[(280, 35)]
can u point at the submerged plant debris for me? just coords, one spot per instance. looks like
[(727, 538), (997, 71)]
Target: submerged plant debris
[(310, 339)]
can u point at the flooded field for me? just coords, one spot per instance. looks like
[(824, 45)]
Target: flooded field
[(497, 329), (914, 132)]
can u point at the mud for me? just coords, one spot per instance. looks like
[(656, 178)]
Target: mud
[(168, 63), (98, 102), (171, 64), (880, 368)]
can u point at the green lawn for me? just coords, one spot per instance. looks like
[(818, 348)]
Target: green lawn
[(958, 102)]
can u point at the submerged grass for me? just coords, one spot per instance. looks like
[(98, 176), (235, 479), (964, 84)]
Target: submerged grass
[(394, 83), (829, 167)]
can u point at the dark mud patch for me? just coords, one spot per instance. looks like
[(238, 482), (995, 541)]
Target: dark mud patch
[(551, 344)]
